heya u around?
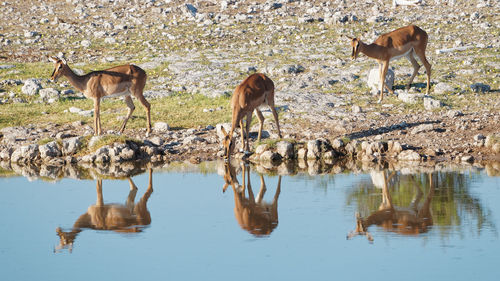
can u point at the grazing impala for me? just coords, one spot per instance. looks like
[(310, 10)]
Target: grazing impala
[(255, 216), (127, 218), (406, 42), (411, 221), (124, 80), (253, 92)]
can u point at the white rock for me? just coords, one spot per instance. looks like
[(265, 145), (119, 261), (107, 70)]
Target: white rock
[(161, 127), (49, 93), (31, 87), (373, 79), (409, 155), (430, 103)]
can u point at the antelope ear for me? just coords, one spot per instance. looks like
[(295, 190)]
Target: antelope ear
[(369, 237), (223, 131), (225, 187), (53, 59), (63, 60), (351, 234), (358, 216)]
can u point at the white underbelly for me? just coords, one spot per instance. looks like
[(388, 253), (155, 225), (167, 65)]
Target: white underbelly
[(120, 94), (402, 55)]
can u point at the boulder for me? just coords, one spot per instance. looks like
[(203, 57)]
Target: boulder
[(285, 149), (49, 93), (71, 145), (31, 87), (409, 155), (373, 79), (313, 149), (430, 103), (161, 127), (50, 149), (27, 153), (270, 156)]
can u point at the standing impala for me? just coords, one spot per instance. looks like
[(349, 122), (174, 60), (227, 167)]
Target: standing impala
[(253, 92), (406, 42), (124, 80), (127, 218)]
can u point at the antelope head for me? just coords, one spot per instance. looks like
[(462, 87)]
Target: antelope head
[(229, 177), (360, 229), (66, 240), (355, 47), (60, 65), (228, 144)]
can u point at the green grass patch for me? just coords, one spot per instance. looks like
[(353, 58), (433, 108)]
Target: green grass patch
[(179, 111)]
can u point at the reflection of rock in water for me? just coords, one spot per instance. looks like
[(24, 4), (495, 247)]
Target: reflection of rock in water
[(252, 213), (493, 169), (126, 218), (94, 170), (412, 220)]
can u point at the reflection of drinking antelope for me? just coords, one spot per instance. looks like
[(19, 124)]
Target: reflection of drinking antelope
[(126, 218), (254, 215), (412, 220)]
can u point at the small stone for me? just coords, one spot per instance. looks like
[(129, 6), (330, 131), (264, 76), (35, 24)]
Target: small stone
[(161, 127), (408, 98), (422, 128), (430, 103), (302, 154), (479, 137), (467, 158), (270, 156), (261, 148), (454, 113), (85, 43), (480, 88), (356, 109), (409, 155), (496, 148), (337, 144), (48, 93), (442, 88)]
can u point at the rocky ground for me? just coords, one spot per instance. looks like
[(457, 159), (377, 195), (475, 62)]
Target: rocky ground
[(208, 47)]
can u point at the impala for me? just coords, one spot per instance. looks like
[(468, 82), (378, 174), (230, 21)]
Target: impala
[(406, 42), (256, 90), (411, 220), (124, 80), (127, 218), (253, 214)]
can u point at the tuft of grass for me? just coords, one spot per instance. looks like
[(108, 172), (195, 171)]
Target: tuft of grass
[(271, 143)]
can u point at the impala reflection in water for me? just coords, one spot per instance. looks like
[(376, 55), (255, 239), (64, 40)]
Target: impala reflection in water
[(412, 219), (253, 214), (125, 218)]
